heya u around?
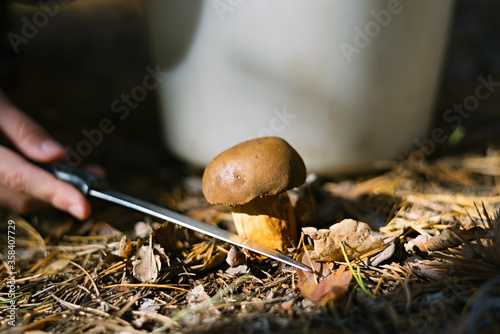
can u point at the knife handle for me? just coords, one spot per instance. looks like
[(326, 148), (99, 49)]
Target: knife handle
[(83, 180)]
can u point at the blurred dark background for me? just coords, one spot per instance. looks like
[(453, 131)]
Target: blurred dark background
[(92, 51), (70, 72)]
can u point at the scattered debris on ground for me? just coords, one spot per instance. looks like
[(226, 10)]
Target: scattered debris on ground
[(432, 263)]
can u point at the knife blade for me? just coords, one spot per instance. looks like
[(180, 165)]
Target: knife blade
[(95, 186)]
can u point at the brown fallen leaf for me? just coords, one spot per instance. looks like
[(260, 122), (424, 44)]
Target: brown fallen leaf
[(324, 286), (287, 305), (163, 236), (214, 261), (384, 255), (486, 235), (482, 263), (447, 238), (235, 257), (104, 229), (356, 237), (142, 229), (424, 268), (239, 270), (146, 265), (332, 287), (125, 249), (197, 295)]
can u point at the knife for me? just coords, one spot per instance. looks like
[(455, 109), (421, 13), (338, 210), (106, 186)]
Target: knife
[(92, 185)]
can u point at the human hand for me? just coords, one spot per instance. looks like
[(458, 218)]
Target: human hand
[(24, 186)]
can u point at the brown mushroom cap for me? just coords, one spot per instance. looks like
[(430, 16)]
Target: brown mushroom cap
[(253, 169)]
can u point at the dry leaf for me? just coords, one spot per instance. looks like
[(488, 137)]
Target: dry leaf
[(163, 236), (327, 286), (142, 229), (146, 265), (125, 249), (355, 235), (382, 256), (160, 251), (332, 287), (447, 238), (483, 262), (105, 230), (239, 270), (197, 295), (424, 268), (235, 257), (149, 305), (287, 305), (214, 261)]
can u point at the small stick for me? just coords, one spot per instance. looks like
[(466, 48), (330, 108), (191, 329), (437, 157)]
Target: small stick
[(89, 277)]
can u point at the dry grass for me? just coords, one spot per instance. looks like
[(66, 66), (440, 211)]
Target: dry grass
[(439, 272)]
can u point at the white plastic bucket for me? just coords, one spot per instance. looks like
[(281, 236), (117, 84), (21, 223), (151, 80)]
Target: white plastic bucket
[(346, 83)]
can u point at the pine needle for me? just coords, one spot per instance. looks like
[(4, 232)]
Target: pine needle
[(356, 274)]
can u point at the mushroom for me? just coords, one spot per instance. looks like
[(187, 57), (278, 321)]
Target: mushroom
[(253, 177)]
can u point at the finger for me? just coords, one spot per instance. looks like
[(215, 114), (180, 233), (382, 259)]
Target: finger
[(18, 202), (20, 176), (29, 137)]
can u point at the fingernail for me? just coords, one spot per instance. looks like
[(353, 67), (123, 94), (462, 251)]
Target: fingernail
[(76, 210), (51, 146)]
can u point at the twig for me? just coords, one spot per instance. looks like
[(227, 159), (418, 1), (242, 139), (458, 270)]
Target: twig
[(124, 328), (89, 277), (145, 285), (216, 299), (72, 306), (310, 261), (111, 269)]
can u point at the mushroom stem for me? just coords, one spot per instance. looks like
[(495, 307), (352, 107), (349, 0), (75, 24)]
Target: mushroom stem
[(269, 221)]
